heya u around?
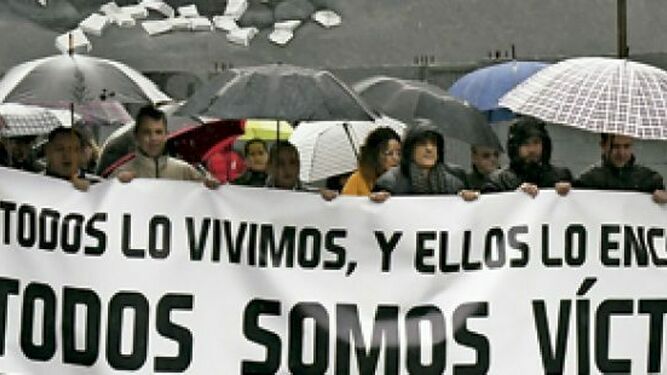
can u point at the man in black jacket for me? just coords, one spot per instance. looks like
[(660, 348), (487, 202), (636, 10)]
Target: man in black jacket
[(618, 170), (485, 160), (529, 150)]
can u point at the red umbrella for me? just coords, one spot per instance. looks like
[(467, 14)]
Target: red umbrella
[(193, 144)]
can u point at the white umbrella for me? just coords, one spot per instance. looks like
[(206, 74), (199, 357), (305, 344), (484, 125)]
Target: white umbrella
[(330, 148), (22, 120), (77, 79), (602, 95)]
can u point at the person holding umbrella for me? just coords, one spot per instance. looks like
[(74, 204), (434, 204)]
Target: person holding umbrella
[(422, 169), (529, 151), (618, 170), (380, 152), (150, 159)]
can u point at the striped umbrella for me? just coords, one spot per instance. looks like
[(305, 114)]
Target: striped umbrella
[(598, 94)]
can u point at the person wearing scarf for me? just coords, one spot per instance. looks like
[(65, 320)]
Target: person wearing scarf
[(422, 170)]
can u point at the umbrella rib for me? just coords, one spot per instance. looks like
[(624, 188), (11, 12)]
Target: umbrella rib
[(143, 85)]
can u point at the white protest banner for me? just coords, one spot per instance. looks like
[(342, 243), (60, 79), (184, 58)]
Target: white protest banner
[(170, 277)]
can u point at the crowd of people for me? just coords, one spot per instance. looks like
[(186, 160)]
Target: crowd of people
[(388, 164)]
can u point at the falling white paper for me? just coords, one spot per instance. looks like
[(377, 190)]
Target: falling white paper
[(242, 36), (122, 19), (94, 24), (137, 12), (80, 44), (179, 23), (157, 27), (226, 23), (327, 18), (290, 25), (200, 24), (188, 11), (42, 2), (110, 8), (236, 8), (160, 7), (281, 36)]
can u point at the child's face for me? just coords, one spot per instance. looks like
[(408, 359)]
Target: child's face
[(257, 157), (287, 169)]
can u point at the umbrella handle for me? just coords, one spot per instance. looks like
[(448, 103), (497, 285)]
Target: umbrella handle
[(346, 126)]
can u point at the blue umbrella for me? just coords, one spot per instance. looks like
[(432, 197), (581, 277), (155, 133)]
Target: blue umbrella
[(483, 88)]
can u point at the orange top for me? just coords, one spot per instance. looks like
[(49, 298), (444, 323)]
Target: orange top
[(356, 185)]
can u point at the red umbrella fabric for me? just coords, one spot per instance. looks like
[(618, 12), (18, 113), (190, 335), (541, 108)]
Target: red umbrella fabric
[(193, 143)]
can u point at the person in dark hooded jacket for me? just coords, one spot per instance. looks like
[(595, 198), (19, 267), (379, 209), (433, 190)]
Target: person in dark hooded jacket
[(618, 170), (530, 168), (422, 169)]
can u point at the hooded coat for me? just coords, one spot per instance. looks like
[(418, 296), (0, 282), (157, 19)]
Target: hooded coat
[(544, 174), (398, 181)]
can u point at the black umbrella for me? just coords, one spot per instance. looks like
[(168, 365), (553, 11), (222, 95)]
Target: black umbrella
[(278, 91), (410, 101)]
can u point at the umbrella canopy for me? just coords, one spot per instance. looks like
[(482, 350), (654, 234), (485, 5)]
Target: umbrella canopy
[(598, 94), (193, 140), (266, 130), (483, 87), (330, 148), (101, 112), (195, 143), (18, 120), (409, 101), (77, 79), (279, 91)]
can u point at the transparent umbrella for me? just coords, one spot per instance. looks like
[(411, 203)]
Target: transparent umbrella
[(598, 94)]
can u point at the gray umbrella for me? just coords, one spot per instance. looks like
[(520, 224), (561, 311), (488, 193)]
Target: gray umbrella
[(279, 91), (409, 101), (77, 79)]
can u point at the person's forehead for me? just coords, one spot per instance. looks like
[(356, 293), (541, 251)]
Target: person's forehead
[(255, 147), (150, 124), (285, 153), (484, 150), (425, 141), (533, 139), (65, 138), (621, 140)]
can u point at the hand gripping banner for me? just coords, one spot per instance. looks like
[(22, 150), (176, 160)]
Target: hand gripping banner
[(170, 277)]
